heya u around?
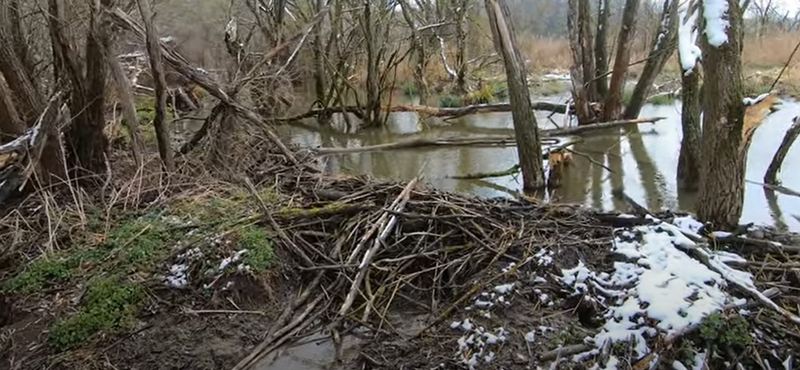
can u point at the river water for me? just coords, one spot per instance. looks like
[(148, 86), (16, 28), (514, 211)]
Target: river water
[(643, 160)]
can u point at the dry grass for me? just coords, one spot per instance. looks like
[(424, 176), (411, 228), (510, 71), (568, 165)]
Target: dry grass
[(545, 54)]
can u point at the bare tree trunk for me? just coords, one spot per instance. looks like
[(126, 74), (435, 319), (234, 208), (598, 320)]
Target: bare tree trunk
[(85, 139), (10, 123), (418, 53), (28, 100), (14, 17), (125, 96), (588, 62), (601, 49), (578, 46), (154, 50), (663, 46), (525, 127), (373, 84), (613, 105), (689, 159), (721, 194), (320, 84), (460, 7), (777, 161)]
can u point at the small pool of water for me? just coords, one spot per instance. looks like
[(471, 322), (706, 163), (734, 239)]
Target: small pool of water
[(643, 160)]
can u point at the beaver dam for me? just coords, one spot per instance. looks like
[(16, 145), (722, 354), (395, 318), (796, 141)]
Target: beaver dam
[(373, 275)]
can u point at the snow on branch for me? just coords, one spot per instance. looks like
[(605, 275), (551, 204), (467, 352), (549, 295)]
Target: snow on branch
[(714, 12), (688, 50)]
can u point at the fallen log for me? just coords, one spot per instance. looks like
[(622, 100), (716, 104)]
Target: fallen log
[(480, 141), (430, 111)]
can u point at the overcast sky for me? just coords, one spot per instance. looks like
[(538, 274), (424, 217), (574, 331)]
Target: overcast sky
[(792, 5)]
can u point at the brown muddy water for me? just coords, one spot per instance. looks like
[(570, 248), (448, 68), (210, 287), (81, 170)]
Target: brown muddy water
[(643, 159)]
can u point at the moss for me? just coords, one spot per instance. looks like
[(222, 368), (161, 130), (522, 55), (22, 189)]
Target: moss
[(732, 331), (141, 241), (450, 101), (38, 275), (138, 242), (110, 305), (259, 248)]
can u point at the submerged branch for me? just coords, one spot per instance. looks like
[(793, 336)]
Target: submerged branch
[(480, 141)]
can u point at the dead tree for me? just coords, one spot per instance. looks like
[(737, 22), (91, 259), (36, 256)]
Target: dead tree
[(691, 78), (721, 196), (777, 161), (664, 45), (613, 106), (525, 127), (154, 51)]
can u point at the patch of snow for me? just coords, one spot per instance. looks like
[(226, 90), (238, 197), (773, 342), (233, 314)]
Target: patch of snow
[(455, 324), (177, 277), (489, 358), (658, 283), (677, 365), (544, 257), (509, 267), (688, 223), (466, 325), (581, 357), (715, 13), (756, 100), (721, 234), (483, 304), (530, 337), (539, 280), (228, 260), (504, 289), (191, 254), (699, 361)]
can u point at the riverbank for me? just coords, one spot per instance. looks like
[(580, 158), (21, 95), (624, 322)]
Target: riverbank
[(207, 274)]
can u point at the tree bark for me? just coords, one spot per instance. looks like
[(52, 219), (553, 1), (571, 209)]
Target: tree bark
[(28, 100), (721, 194), (460, 7), (154, 50), (373, 61), (601, 49), (525, 126), (664, 45), (588, 62), (689, 158), (578, 47), (14, 18), (11, 125), (613, 105), (777, 161)]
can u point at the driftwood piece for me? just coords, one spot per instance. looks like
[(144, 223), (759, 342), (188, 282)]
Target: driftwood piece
[(480, 141)]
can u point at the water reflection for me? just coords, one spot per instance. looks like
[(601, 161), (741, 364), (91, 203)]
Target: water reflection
[(640, 160)]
